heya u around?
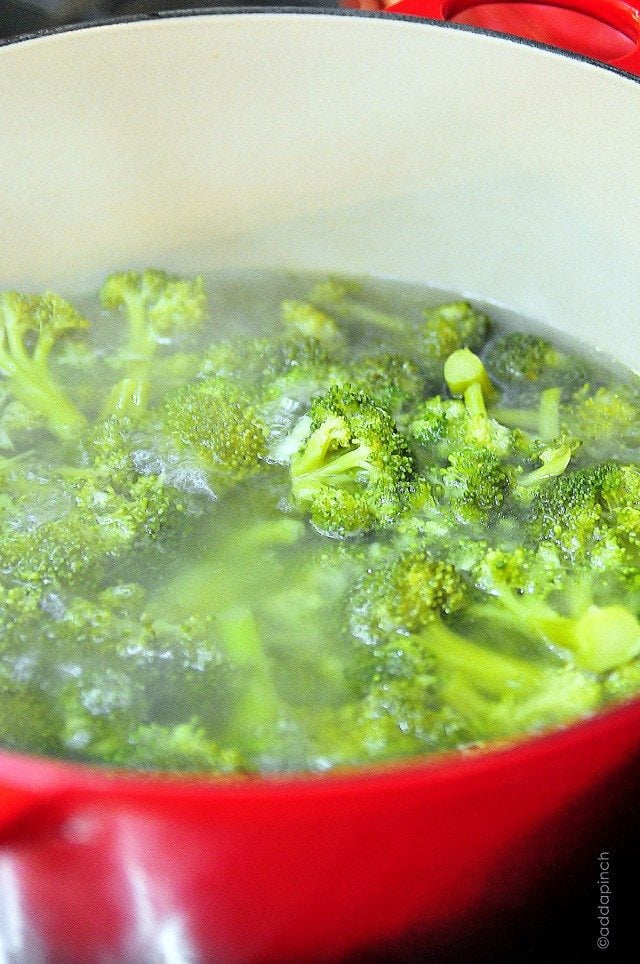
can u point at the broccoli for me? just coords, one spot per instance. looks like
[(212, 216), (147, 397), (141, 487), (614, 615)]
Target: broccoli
[(337, 296), (157, 306), (403, 595), (259, 362), (214, 420), (441, 427), (465, 375), (30, 327), (309, 322), (186, 746), (606, 420), (482, 457), (29, 721), (542, 421), (353, 471), (454, 326), (588, 510), (359, 539), (475, 484), (394, 382), (519, 360), (596, 638), (84, 535), (500, 695)]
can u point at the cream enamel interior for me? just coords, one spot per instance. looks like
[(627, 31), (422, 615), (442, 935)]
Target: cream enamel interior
[(347, 143)]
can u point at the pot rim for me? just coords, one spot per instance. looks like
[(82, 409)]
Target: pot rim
[(310, 11), (19, 769)]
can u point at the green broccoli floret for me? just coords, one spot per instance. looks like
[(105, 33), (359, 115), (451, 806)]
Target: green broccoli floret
[(303, 319), (466, 375), (475, 484), (258, 362), (606, 420), (452, 326), (624, 682), (184, 747), (496, 570), (394, 382), (482, 457), (501, 695), (30, 327), (394, 719), (585, 511), (80, 541), (336, 296), (519, 360), (29, 719), (444, 426), (157, 306), (353, 471), (214, 419), (403, 595), (597, 638)]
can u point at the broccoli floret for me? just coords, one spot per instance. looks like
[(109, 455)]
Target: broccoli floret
[(157, 306), (466, 375), (596, 638), (30, 327), (258, 362), (305, 320), (99, 525), (394, 382), (482, 457), (501, 695), (215, 420), (496, 570), (403, 595), (29, 719), (353, 472), (519, 360), (624, 682), (444, 426), (184, 747), (337, 296), (452, 326), (606, 420), (475, 484), (582, 511)]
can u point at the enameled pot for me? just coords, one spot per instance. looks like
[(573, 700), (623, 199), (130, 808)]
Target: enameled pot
[(363, 144)]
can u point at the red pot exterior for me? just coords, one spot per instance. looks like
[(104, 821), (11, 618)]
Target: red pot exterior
[(299, 868)]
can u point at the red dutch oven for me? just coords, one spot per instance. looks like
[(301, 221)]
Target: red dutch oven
[(351, 142)]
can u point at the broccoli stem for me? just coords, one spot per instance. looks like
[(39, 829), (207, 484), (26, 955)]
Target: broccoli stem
[(332, 296), (258, 708), (554, 462), (141, 345), (527, 419), (549, 414), (130, 396), (36, 391), (474, 400), (599, 639), (489, 671), (462, 370)]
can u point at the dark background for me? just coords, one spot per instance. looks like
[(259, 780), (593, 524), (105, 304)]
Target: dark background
[(560, 921)]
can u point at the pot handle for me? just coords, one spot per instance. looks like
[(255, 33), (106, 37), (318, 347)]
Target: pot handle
[(622, 16)]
